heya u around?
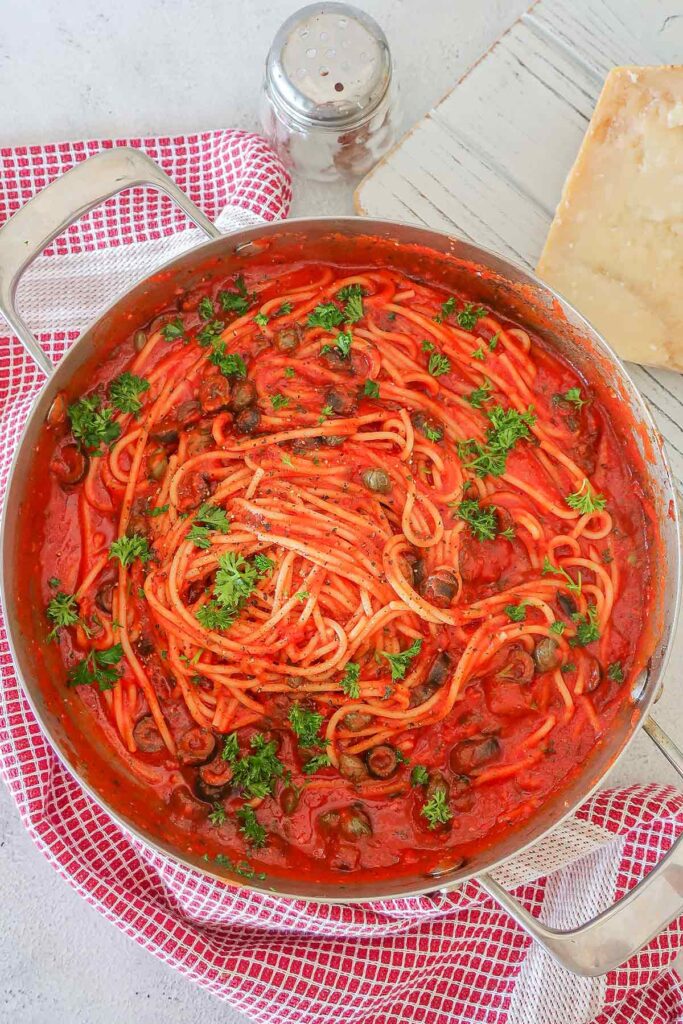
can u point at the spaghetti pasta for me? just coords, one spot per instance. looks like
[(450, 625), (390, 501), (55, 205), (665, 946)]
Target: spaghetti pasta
[(344, 536)]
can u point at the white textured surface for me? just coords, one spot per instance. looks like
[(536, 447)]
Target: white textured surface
[(84, 68)]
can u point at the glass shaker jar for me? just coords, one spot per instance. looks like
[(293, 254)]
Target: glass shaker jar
[(329, 104)]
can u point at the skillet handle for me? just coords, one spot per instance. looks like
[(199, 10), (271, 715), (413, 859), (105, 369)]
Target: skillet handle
[(615, 935), (64, 200)]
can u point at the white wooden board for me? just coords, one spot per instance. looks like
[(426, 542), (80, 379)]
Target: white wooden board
[(488, 163)]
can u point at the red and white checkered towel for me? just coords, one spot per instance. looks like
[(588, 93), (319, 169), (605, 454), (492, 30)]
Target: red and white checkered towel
[(455, 957)]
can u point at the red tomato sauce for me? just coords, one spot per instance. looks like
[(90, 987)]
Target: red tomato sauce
[(327, 492)]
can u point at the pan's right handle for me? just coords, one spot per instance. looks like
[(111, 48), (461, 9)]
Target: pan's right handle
[(615, 935), (64, 200)]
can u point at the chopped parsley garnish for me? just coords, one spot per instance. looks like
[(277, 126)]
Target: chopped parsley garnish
[(439, 364), (127, 549), (289, 372), (279, 401), (124, 391), (480, 395), (173, 330), (400, 662), (479, 354), (206, 308), (427, 346), (287, 460), (419, 776), (96, 669), (159, 511), (261, 319), (349, 681), (508, 533), (493, 341), (391, 316), (436, 811), (352, 296), (213, 617), (574, 396), (447, 308), (263, 564), (558, 628), (284, 309), (253, 831), (91, 424), (235, 580), (209, 517), (326, 315), (62, 611), (615, 672), (314, 764), (237, 302), (217, 816), (209, 333), (586, 628), (507, 428), (325, 412), (468, 316), (515, 612), (585, 501), (342, 341), (306, 724), (371, 389), (243, 868), (483, 522), (54, 582), (573, 586), (229, 363), (256, 773), (302, 595), (231, 748)]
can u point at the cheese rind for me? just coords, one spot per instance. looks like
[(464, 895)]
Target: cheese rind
[(615, 247)]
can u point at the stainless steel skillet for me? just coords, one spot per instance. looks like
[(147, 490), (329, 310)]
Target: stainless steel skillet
[(608, 939)]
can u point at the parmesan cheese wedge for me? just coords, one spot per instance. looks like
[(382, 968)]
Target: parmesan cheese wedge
[(615, 247)]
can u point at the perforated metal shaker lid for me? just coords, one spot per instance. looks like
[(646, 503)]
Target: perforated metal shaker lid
[(329, 66)]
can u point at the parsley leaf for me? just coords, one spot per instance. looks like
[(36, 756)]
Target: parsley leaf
[(400, 662), (352, 295), (63, 611), (482, 522), (507, 428), (439, 364), (127, 549), (574, 587), (558, 628), (96, 669), (229, 363), (256, 773), (371, 389), (206, 308), (585, 500), (284, 309), (209, 333), (124, 389), (199, 535), (212, 616), (515, 612), (349, 681), (237, 302), (174, 330), (261, 319), (279, 401), (213, 516), (436, 810), (447, 308), (325, 412), (289, 372), (254, 832), (314, 764), (493, 341), (587, 628), (217, 816), (479, 354), (468, 316), (574, 396), (419, 776), (427, 346), (235, 580), (306, 725), (480, 395), (342, 341), (326, 315), (615, 672), (159, 511), (263, 564), (231, 748), (91, 424)]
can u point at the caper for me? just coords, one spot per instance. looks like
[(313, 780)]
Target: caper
[(139, 340), (377, 480), (546, 656), (158, 464)]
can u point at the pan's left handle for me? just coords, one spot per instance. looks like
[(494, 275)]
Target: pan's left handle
[(66, 199)]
